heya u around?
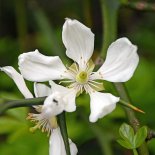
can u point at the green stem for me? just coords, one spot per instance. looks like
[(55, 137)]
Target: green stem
[(122, 91), (63, 129), (109, 23), (21, 103), (110, 10), (135, 152)]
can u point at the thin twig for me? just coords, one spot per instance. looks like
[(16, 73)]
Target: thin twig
[(142, 6), (126, 104), (151, 135)]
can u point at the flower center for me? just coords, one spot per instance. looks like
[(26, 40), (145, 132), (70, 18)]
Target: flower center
[(82, 77)]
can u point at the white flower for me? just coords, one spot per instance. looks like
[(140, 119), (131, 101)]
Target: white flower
[(119, 66), (45, 119)]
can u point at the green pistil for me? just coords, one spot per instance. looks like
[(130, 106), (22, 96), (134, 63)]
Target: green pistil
[(82, 77)]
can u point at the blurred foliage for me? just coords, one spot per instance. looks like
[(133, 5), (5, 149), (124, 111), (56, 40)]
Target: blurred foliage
[(29, 24)]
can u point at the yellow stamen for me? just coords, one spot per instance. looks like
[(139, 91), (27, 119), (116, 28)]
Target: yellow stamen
[(33, 129)]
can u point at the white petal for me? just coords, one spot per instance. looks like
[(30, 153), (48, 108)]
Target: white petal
[(121, 62), (41, 90), (68, 96), (53, 105), (78, 40), (18, 79), (101, 104), (73, 148), (69, 100), (37, 67), (56, 87), (57, 146), (58, 102)]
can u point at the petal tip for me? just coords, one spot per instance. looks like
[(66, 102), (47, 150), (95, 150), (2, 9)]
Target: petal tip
[(71, 109), (36, 50), (67, 19), (92, 119), (124, 39), (7, 69)]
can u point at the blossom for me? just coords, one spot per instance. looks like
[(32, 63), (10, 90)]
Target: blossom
[(119, 66), (45, 118)]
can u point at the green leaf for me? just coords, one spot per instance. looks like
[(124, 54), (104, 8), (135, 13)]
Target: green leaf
[(127, 133), (125, 144), (140, 136), (129, 139)]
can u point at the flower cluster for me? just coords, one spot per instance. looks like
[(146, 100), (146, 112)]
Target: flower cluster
[(119, 66)]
